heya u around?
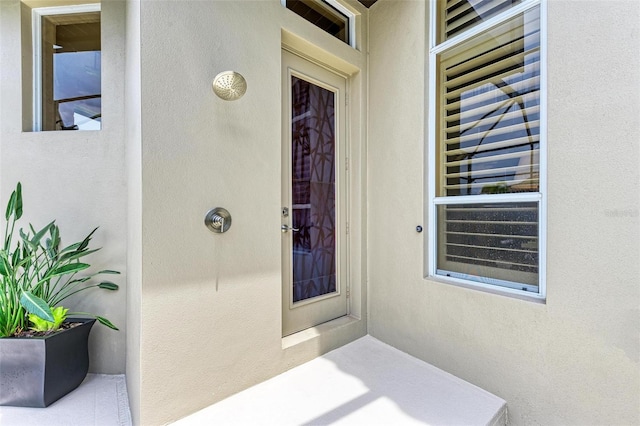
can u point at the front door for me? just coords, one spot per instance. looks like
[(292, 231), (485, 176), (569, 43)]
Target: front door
[(314, 202)]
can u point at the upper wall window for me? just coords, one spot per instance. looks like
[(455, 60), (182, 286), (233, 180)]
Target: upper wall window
[(328, 15), (67, 68), (457, 16), (487, 180)]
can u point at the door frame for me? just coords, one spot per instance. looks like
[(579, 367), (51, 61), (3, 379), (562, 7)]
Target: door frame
[(294, 64)]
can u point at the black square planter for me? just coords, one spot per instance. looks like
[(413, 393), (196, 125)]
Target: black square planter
[(37, 371)]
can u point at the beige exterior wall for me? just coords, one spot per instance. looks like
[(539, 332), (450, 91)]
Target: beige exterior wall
[(77, 178), (202, 311), (575, 359), (210, 319), (133, 137)]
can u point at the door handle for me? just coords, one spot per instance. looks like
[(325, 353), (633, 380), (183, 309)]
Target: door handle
[(285, 228)]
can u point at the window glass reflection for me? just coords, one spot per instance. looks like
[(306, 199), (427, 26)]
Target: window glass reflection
[(490, 120), (71, 72)]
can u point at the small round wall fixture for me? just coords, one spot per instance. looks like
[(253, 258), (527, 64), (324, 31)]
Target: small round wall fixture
[(229, 85)]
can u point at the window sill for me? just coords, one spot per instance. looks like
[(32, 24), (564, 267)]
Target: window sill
[(514, 294)]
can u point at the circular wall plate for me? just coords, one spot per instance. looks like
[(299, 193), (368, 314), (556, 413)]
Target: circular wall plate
[(229, 85), (218, 220)]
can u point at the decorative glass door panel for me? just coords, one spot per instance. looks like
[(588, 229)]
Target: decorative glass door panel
[(313, 203), (313, 179)]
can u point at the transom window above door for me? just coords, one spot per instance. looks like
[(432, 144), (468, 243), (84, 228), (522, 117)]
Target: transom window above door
[(328, 15)]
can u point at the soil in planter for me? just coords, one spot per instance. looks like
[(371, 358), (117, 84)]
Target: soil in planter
[(33, 333)]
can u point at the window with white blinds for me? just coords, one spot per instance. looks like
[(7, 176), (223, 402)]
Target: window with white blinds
[(489, 102), (487, 194), (460, 15)]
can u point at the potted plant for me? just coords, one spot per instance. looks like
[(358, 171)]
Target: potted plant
[(43, 349)]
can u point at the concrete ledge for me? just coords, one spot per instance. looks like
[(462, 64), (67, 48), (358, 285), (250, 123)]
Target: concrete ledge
[(363, 383), (317, 331)]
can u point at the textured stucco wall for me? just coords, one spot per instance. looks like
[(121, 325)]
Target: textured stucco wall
[(77, 178), (575, 359), (133, 137), (210, 319)]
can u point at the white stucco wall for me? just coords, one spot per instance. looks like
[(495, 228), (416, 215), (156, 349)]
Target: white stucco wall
[(210, 319), (77, 178), (575, 359)]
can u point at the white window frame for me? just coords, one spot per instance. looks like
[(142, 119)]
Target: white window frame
[(345, 11), (36, 27), (540, 197)]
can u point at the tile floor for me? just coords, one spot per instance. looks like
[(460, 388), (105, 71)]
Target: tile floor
[(101, 400)]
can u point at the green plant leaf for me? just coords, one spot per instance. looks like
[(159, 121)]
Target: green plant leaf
[(55, 236), (107, 285), (4, 270), (38, 324), (50, 249), (59, 315), (35, 305), (76, 255), (10, 205), (18, 208), (15, 259), (108, 271), (106, 322), (72, 247), (67, 269), (53, 243), (85, 242), (41, 233)]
